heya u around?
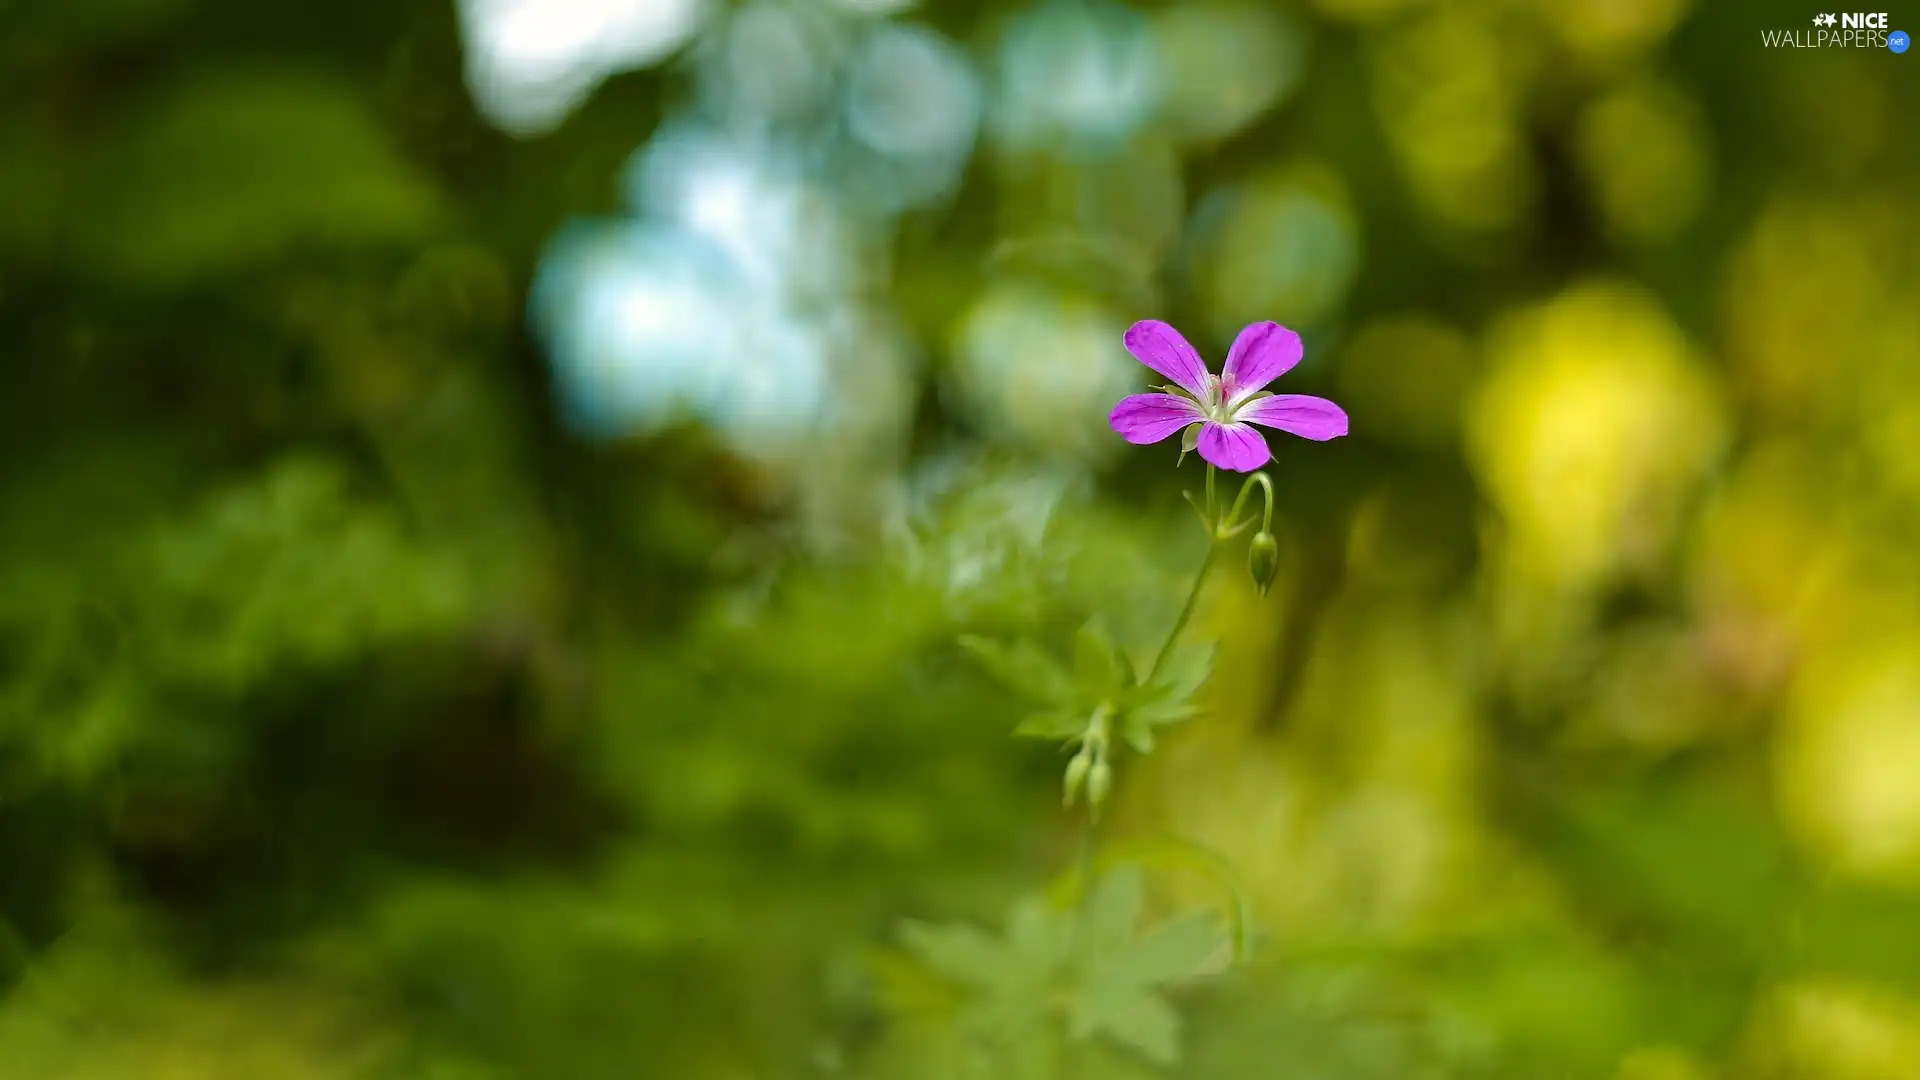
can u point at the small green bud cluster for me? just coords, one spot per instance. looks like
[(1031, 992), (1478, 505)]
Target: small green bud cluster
[(1089, 770)]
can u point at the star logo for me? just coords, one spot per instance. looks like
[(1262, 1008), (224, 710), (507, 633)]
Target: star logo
[(1828, 19)]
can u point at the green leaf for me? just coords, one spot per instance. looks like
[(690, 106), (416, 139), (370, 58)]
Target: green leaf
[(1145, 718), (1117, 997), (1097, 663), (1051, 725), (1174, 950), (1138, 733), (1149, 1026), (1182, 676), (1112, 909), (1168, 698), (1023, 668), (960, 952)]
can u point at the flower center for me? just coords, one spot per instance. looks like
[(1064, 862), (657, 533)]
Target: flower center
[(1219, 400)]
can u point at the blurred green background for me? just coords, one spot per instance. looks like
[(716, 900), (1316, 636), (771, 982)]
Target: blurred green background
[(492, 489)]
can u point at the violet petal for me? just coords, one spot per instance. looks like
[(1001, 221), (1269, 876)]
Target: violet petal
[(1161, 348), (1263, 352), (1304, 415), (1148, 418), (1234, 447)]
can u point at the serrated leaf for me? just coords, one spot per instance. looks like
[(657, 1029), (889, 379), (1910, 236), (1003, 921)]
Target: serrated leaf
[(1051, 725), (1037, 934), (1184, 673), (1116, 995), (1138, 725), (1174, 950), (1161, 714), (960, 952), (1150, 1026), (1111, 911), (1097, 664), (1024, 668)]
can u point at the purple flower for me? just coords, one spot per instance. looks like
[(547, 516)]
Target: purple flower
[(1223, 406)]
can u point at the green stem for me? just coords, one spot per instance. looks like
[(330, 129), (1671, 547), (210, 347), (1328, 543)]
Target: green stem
[(1233, 524), (1088, 844), (1186, 610)]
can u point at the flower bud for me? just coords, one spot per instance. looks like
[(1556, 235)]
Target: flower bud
[(1076, 775), (1099, 779), (1263, 560)]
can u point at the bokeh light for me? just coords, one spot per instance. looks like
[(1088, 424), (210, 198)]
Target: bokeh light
[(1643, 149), (771, 64), (532, 62), (1447, 88), (1841, 1028), (1846, 754), (1285, 245), (913, 104), (498, 491), (1410, 375), (1224, 64), (1595, 419), (1042, 368), (1611, 30), (707, 304), (1083, 71)]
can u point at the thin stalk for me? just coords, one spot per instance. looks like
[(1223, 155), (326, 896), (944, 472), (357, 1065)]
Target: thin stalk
[(1233, 525), (1088, 843), (1186, 610)]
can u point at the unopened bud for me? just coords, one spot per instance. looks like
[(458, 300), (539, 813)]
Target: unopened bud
[(1099, 779), (1263, 560), (1076, 775)]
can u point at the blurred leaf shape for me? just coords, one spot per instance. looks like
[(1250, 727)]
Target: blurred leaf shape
[(235, 169), (1099, 689), (289, 567), (101, 1007), (1091, 967), (1023, 667)]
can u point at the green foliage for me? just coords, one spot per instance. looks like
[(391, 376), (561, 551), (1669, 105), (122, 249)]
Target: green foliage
[(1091, 968), (359, 721), (1101, 683), (229, 170)]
